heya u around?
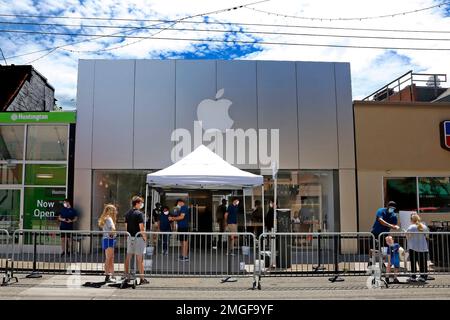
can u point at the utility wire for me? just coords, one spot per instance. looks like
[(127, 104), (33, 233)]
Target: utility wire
[(253, 24), (391, 15), (227, 31), (239, 41), (51, 50)]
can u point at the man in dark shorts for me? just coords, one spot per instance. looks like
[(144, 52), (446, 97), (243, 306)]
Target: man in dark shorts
[(67, 216), (182, 220)]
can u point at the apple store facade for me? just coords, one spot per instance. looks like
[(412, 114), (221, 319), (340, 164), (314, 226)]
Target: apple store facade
[(138, 116)]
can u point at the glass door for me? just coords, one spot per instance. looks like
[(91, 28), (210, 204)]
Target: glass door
[(10, 217)]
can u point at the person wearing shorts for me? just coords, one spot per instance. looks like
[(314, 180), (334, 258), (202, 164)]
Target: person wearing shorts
[(393, 254), (107, 222), (231, 221), (182, 220), (134, 221)]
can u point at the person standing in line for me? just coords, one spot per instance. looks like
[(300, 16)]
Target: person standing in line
[(418, 248), (67, 217), (231, 222), (182, 219), (164, 225), (220, 216), (134, 223), (270, 216), (107, 222)]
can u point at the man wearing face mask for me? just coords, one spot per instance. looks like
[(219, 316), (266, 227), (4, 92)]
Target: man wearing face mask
[(67, 216), (230, 218), (164, 226), (134, 222), (386, 219), (182, 219)]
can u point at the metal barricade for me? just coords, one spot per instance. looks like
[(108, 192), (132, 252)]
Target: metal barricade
[(4, 248), (39, 252), (315, 254), (197, 254), (413, 257), (5, 257)]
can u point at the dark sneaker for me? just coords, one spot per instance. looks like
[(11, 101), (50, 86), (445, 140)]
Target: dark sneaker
[(107, 278), (144, 281), (396, 281)]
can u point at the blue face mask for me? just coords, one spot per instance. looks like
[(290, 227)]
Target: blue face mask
[(391, 210)]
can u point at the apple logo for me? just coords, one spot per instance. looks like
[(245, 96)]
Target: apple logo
[(214, 113)]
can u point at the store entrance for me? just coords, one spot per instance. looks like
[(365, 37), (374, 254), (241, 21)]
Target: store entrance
[(202, 205)]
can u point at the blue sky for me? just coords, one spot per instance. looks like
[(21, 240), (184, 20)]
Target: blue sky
[(371, 68)]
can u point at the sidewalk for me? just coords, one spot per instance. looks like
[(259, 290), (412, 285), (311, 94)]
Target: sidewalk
[(69, 287)]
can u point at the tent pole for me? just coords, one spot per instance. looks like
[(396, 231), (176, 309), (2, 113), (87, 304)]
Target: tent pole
[(263, 215), (145, 202), (151, 209), (245, 214)]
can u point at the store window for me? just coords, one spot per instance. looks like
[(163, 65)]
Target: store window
[(9, 209), (434, 195), (116, 187), (11, 142), (47, 142), (42, 206), (11, 173), (310, 196), (45, 174), (403, 191)]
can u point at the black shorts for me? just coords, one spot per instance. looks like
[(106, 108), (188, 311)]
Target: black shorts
[(183, 237)]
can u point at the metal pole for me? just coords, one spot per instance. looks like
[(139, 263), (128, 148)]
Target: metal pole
[(34, 273), (263, 215), (145, 203), (245, 213)]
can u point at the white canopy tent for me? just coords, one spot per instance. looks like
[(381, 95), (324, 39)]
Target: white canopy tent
[(203, 169)]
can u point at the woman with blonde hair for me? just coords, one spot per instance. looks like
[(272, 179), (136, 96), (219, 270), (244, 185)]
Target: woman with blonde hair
[(418, 247), (107, 222)]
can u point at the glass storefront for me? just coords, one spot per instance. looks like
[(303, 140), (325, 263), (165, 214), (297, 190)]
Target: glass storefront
[(422, 194), (310, 195), (116, 187), (33, 169)]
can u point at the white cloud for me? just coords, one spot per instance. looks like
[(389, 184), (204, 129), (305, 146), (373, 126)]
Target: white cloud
[(370, 68)]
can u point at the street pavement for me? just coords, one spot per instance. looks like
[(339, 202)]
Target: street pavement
[(71, 287)]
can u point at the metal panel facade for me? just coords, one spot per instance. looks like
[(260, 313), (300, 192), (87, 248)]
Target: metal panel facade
[(154, 113), (277, 107), (317, 115), (112, 141)]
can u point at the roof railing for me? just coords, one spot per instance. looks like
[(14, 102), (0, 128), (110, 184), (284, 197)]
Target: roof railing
[(407, 80)]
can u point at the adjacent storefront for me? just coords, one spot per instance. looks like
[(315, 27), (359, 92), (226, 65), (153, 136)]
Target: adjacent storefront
[(36, 161)]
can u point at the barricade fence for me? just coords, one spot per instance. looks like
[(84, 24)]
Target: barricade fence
[(5, 249), (315, 254), (196, 254), (57, 251), (416, 256), (227, 255)]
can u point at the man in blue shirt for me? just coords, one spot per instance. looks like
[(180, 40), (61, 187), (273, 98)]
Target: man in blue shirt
[(183, 226), (67, 216), (231, 221), (164, 226), (386, 219)]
